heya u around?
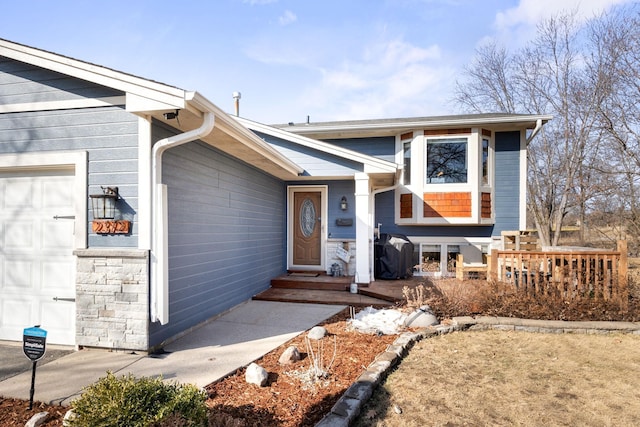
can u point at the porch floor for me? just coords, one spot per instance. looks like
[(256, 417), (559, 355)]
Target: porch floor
[(319, 288)]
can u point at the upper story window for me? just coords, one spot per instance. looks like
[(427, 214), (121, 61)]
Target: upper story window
[(406, 149), (446, 160), (485, 161)]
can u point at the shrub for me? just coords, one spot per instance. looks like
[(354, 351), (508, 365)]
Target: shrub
[(144, 402)]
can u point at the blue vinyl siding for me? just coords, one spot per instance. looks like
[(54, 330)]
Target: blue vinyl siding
[(507, 190), (314, 162), (227, 234), (337, 189), (22, 83), (382, 147)]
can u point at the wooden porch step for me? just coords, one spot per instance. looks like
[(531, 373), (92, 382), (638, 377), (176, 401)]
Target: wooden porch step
[(316, 296), (379, 294), (319, 281)]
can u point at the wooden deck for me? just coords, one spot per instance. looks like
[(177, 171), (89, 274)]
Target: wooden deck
[(322, 289)]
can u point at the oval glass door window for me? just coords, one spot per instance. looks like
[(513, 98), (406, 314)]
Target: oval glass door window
[(307, 218)]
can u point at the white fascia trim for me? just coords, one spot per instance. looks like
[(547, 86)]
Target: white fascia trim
[(372, 164), (59, 160), (234, 128), (467, 122), (93, 73), (68, 104)]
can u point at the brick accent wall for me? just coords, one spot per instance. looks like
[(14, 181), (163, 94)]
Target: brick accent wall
[(112, 298), (447, 205)]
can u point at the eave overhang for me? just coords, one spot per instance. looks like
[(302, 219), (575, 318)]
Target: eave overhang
[(390, 127)]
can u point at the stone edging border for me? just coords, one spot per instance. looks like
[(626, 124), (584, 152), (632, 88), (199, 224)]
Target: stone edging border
[(348, 407)]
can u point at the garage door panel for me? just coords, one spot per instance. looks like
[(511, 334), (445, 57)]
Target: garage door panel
[(58, 319), (56, 194), (20, 194), (18, 274), (18, 235), (17, 313), (56, 235), (56, 275)]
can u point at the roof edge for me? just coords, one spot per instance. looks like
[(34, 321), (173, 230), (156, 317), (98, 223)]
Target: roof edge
[(98, 74), (379, 164)]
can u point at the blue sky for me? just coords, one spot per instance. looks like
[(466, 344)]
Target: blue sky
[(327, 59)]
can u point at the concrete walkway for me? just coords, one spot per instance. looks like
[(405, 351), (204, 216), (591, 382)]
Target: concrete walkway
[(205, 355)]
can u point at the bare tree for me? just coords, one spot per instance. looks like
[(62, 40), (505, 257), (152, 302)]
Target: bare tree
[(549, 75), (617, 38)]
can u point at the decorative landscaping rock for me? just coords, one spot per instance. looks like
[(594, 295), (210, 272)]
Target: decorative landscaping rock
[(317, 333), (256, 374), (421, 318), (289, 356), (69, 417), (37, 420)]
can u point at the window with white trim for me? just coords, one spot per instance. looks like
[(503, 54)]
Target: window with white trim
[(406, 152), (485, 161), (446, 160)]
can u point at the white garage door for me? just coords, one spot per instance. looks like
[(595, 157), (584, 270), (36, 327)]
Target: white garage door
[(37, 268)]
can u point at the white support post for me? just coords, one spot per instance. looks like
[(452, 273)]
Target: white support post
[(364, 231)]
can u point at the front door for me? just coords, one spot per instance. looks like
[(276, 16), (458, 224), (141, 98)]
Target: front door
[(306, 229)]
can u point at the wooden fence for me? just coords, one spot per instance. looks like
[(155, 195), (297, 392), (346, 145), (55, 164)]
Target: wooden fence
[(575, 273)]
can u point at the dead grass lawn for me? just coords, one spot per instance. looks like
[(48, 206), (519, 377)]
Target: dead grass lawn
[(501, 378)]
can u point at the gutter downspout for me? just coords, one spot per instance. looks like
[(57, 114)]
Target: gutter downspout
[(524, 165), (535, 130), (159, 289)]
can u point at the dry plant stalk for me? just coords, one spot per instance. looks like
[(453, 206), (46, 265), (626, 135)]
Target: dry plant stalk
[(318, 369), (414, 297)]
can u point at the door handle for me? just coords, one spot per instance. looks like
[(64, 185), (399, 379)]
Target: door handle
[(64, 299), (64, 217)]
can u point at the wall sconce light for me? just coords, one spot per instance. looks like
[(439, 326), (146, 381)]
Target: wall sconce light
[(343, 203), (103, 208)]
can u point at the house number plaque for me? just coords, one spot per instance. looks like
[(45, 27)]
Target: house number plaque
[(111, 226)]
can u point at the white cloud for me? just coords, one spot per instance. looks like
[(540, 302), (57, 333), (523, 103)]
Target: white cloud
[(530, 12), (390, 79), (259, 2), (287, 18), (517, 25)]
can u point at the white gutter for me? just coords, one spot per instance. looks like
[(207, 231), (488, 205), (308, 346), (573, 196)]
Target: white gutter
[(159, 289), (346, 128), (535, 130)]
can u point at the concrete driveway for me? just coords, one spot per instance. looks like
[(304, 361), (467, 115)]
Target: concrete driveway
[(208, 353), (14, 361)]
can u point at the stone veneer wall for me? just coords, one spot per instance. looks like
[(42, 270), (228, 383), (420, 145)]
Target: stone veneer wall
[(349, 246), (112, 298)]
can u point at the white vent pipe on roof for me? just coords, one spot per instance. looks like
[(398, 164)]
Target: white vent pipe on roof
[(236, 99), (159, 288)]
